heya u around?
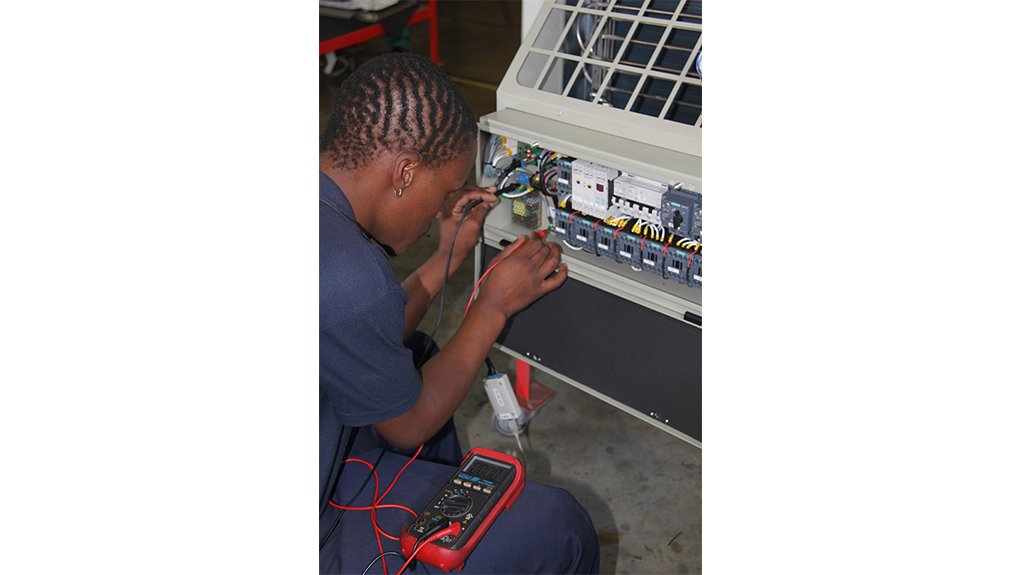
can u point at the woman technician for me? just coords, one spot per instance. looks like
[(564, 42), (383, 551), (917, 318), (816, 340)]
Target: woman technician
[(397, 152)]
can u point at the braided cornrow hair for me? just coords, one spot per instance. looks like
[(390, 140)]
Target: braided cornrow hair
[(397, 101)]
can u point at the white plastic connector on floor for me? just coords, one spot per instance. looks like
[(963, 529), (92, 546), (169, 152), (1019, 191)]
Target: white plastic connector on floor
[(502, 397)]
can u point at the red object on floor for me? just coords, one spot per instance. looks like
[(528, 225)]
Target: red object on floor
[(531, 395), (426, 12)]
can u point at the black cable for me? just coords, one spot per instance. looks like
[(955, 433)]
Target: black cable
[(378, 557), (337, 519), (515, 162), (491, 370), (507, 189), (340, 455), (505, 174), (447, 266), (542, 180), (425, 535)]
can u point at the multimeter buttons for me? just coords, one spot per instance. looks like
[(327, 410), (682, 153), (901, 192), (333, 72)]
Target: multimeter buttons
[(455, 506)]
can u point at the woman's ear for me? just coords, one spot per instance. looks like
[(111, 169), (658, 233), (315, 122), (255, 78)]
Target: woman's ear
[(406, 165)]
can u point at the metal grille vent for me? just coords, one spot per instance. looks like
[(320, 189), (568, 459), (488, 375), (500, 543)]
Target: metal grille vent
[(634, 55)]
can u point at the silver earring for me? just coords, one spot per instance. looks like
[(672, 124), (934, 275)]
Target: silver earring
[(399, 192)]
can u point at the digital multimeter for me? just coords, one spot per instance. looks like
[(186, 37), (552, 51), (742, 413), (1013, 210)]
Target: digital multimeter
[(485, 485)]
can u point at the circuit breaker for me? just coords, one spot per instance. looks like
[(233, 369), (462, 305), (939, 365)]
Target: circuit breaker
[(597, 138)]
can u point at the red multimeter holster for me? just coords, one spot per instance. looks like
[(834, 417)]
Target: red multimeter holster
[(486, 484)]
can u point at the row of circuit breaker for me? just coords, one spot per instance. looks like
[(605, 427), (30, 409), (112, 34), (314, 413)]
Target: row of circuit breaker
[(596, 236), (604, 192)]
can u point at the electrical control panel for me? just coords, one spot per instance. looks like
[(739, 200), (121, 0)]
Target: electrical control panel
[(597, 139), (600, 210)]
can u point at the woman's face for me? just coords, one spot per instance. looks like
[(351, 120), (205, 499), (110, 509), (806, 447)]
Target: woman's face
[(425, 197)]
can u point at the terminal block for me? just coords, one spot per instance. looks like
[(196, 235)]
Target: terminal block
[(561, 218), (695, 275), (605, 239), (676, 264), (628, 248), (583, 229), (566, 228), (563, 179), (652, 256)]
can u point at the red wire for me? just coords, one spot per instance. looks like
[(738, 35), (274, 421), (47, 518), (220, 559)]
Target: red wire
[(475, 290), (615, 240), (384, 506), (377, 499), (443, 532), (376, 490), (376, 528), (471, 298), (414, 553), (368, 507), (376, 503), (393, 481)]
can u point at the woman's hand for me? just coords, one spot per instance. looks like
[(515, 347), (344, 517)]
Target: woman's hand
[(522, 275), (468, 235)]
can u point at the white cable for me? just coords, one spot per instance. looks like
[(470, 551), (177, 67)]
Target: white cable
[(514, 429), (578, 249), (518, 195), (495, 146), (503, 182)]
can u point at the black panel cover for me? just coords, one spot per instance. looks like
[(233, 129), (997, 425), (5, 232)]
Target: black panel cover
[(640, 357)]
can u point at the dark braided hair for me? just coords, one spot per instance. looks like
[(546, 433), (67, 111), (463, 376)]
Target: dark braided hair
[(397, 101)]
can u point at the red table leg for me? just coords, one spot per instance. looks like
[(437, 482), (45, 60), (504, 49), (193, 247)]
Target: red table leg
[(427, 12), (531, 395)]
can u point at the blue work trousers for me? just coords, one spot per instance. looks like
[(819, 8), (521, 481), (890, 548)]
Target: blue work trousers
[(545, 531)]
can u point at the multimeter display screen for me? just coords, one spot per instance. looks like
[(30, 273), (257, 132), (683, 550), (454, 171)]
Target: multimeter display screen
[(486, 472)]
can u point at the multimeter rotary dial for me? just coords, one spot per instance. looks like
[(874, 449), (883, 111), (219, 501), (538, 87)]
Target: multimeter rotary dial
[(455, 506)]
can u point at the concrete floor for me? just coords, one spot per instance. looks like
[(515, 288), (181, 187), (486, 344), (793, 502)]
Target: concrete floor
[(642, 486)]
